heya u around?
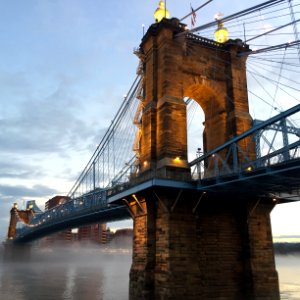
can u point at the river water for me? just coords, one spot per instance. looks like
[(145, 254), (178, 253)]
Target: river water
[(93, 274), (288, 268)]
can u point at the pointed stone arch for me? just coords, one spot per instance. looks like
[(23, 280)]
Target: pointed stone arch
[(195, 128), (214, 112)]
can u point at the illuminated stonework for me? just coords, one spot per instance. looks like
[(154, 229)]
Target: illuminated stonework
[(188, 244), (197, 68)]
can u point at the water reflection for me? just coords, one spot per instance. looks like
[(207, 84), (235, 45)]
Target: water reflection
[(95, 274), (288, 267), (82, 273)]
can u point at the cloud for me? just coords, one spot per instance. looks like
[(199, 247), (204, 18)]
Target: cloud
[(16, 169), (48, 124), (16, 191), (14, 85)]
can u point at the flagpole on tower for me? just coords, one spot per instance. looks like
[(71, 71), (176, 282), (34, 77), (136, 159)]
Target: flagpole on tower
[(207, 2)]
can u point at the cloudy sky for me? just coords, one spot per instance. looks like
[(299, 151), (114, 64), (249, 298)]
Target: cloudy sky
[(65, 66)]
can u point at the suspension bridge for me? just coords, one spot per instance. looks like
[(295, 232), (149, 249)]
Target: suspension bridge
[(274, 172), (146, 163)]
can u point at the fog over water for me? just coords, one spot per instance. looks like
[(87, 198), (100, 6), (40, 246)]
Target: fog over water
[(66, 273), (93, 273)]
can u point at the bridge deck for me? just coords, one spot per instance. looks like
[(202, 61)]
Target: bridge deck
[(280, 181)]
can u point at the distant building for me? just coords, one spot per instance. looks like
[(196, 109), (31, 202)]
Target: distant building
[(57, 200), (122, 238), (90, 233), (31, 204)]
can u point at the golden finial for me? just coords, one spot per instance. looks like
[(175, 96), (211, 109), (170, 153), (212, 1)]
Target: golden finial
[(161, 12), (221, 34)]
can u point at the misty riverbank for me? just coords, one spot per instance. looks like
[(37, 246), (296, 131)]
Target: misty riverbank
[(284, 248), (287, 248)]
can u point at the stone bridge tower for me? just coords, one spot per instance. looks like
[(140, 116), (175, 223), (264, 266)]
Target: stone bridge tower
[(18, 215), (189, 244), (177, 65)]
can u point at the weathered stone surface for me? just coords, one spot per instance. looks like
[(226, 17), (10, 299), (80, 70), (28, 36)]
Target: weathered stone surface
[(212, 75), (221, 251), (221, 248)]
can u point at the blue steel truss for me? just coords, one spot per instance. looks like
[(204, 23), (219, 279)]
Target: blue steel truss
[(87, 209), (274, 143)]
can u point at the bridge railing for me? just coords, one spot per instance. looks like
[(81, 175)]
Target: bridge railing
[(267, 143), (87, 203)]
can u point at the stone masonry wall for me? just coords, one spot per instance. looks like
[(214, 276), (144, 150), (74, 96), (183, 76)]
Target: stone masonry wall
[(223, 250)]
